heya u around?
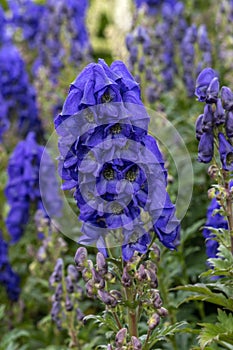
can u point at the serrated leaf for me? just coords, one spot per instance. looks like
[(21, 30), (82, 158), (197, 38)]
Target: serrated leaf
[(222, 331)]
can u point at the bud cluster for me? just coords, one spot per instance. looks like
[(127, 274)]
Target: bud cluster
[(121, 342), (67, 294), (134, 284)]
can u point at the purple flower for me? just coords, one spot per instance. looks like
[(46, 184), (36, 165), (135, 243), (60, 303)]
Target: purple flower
[(226, 152), (216, 221), (204, 82), (227, 98), (206, 147), (23, 185), (116, 168), (8, 278)]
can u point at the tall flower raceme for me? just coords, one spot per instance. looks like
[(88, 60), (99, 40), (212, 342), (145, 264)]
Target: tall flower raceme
[(113, 164), (17, 94), (8, 278), (168, 50), (215, 127), (25, 170), (153, 6), (27, 15), (61, 18)]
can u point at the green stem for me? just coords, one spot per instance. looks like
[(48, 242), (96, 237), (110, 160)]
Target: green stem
[(229, 208), (131, 313)]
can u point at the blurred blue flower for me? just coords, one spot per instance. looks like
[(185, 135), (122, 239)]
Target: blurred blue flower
[(8, 278), (226, 152), (18, 96), (23, 185), (216, 221)]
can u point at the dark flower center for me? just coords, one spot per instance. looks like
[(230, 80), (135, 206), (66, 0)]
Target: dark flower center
[(116, 129), (108, 173), (106, 97), (89, 116), (131, 175), (116, 209)]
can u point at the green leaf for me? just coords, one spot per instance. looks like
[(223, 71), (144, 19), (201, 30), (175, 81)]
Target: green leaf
[(202, 292), (220, 332)]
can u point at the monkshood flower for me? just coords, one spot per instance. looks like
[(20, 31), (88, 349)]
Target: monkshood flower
[(217, 119), (216, 221), (27, 15), (18, 96), (23, 185), (49, 39), (8, 278), (115, 167)]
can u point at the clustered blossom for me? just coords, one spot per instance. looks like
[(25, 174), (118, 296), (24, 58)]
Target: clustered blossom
[(216, 221), (152, 6), (8, 278), (114, 165), (23, 185), (138, 277), (27, 15), (217, 117), (170, 49), (17, 94), (43, 27)]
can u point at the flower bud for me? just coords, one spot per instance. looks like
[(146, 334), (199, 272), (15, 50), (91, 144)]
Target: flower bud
[(90, 289), (136, 344), (141, 273), (213, 171), (153, 321), (79, 314), (68, 304), (126, 278), (157, 301), (162, 312), (80, 258), (58, 270), (69, 285), (56, 308), (41, 254), (101, 263), (107, 298), (98, 280), (155, 252), (72, 272), (121, 337), (109, 347), (58, 293), (116, 294), (211, 193)]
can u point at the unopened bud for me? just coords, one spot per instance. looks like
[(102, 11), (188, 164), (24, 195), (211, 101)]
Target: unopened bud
[(90, 289), (58, 293), (56, 308), (116, 294), (126, 278), (141, 273), (79, 314), (136, 344), (157, 301), (155, 252), (80, 258), (58, 270), (213, 171), (107, 298), (72, 272), (69, 285), (41, 254), (162, 312), (121, 337), (68, 304), (101, 263), (98, 280), (109, 347), (211, 193), (153, 321)]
